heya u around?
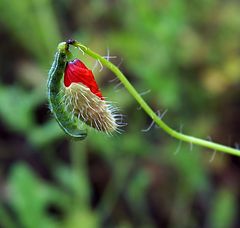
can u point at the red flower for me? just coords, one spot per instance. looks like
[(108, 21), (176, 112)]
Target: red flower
[(77, 72)]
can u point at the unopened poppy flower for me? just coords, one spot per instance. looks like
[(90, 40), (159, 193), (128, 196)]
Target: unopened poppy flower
[(84, 99)]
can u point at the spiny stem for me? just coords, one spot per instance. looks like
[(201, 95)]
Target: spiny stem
[(178, 135)]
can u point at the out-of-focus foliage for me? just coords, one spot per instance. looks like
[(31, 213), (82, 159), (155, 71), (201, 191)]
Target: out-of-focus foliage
[(183, 56)]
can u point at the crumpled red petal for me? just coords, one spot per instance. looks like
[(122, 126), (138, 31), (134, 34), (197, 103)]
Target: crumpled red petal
[(77, 72)]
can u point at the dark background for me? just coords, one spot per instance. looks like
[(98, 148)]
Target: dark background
[(184, 56)]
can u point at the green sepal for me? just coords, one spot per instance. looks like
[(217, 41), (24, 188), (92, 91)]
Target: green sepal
[(70, 124)]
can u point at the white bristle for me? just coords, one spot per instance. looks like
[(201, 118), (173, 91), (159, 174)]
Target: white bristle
[(88, 107)]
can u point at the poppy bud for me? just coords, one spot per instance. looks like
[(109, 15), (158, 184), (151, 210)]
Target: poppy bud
[(84, 99)]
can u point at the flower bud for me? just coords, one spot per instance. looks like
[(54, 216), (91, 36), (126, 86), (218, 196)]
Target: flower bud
[(84, 99)]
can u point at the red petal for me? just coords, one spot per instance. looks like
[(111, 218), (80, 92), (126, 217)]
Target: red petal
[(77, 72)]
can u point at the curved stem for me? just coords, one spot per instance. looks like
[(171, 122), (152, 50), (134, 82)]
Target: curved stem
[(150, 112)]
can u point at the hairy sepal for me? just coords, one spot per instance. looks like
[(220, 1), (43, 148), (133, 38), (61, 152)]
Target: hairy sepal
[(89, 108)]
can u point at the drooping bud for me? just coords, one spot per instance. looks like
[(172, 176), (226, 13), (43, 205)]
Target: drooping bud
[(84, 99)]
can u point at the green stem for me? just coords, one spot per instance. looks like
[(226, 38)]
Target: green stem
[(178, 135)]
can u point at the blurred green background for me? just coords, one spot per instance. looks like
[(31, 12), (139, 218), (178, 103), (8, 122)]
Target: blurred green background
[(183, 56)]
